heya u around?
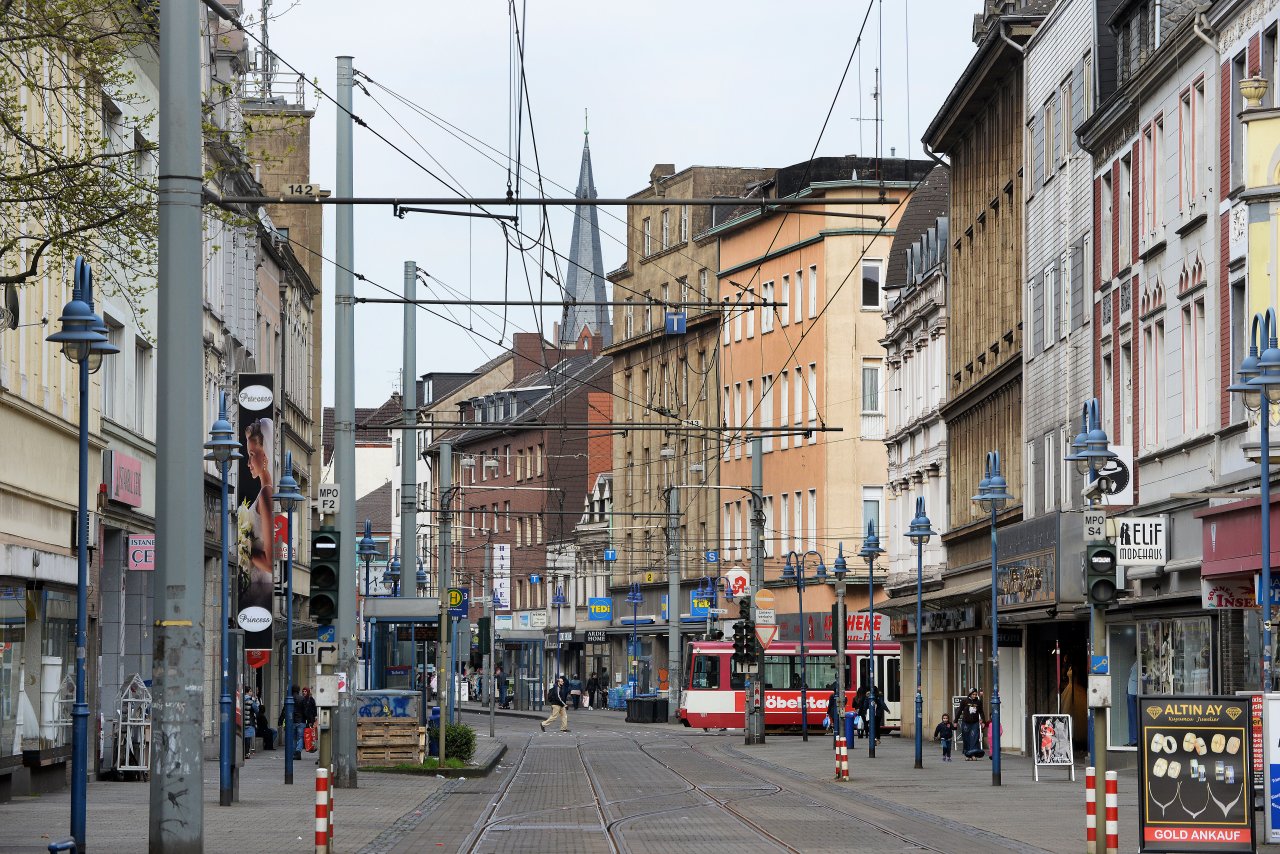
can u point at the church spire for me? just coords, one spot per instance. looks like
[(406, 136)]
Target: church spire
[(585, 281)]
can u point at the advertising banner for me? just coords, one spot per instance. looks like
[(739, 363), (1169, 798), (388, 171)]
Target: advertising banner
[(1270, 739), (1053, 742), (253, 529), (501, 577), (600, 608), (1195, 791)]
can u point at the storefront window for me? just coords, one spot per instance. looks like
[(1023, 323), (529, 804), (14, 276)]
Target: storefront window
[(969, 664), (12, 632), (57, 650), (1155, 657)]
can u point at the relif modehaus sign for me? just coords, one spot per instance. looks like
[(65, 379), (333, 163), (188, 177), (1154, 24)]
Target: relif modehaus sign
[(1195, 774)]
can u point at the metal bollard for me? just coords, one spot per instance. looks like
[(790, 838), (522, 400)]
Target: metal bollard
[(322, 811), (1090, 812), (1113, 813)]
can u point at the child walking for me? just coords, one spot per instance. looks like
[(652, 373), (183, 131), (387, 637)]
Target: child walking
[(946, 733)]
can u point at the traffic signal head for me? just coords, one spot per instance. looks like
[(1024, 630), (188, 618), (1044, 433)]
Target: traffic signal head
[(1100, 573), (325, 548), (739, 642)]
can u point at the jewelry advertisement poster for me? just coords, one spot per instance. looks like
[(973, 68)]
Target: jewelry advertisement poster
[(1195, 774)]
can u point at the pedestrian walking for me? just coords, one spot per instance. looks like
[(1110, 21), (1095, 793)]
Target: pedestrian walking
[(859, 706), (310, 714), (593, 688), (972, 717), (575, 691), (832, 720), (249, 720), (500, 676), (867, 708), (945, 732), (557, 699), (299, 721)]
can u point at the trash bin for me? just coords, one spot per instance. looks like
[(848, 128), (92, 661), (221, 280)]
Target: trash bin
[(848, 729), (635, 711), (433, 723), (660, 710)]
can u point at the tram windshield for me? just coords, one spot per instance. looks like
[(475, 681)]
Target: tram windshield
[(782, 672)]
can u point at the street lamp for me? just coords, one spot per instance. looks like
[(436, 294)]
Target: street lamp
[(1259, 386), (391, 575), (367, 549), (795, 572), (840, 633), (558, 600), (420, 578), (919, 533), (288, 497), (870, 549), (635, 597), (223, 448), (993, 495), (709, 592), (83, 343)]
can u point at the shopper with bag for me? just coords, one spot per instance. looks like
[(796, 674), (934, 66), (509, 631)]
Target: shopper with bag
[(310, 714), (972, 717), (299, 721)]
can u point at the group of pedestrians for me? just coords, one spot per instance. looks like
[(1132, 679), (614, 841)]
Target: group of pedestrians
[(971, 717), (255, 723)]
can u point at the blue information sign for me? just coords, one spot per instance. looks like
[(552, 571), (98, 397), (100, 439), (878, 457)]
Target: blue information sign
[(1098, 664), (459, 601), (600, 608), (327, 634), (610, 554), (713, 557), (698, 605)]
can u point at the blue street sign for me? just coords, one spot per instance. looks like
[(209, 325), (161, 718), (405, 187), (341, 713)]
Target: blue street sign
[(1098, 664), (327, 634), (675, 322), (698, 605), (713, 557), (459, 602), (1275, 588), (664, 606), (600, 608), (610, 554)]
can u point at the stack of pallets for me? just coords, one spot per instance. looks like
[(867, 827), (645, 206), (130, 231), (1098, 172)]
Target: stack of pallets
[(389, 741)]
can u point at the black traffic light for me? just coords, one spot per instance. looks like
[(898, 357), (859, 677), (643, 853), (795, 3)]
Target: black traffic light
[(739, 642), (1100, 573), (326, 545), (483, 624)]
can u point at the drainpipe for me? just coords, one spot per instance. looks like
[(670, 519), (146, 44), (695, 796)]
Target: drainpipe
[(1019, 48), (1202, 29), (924, 146)]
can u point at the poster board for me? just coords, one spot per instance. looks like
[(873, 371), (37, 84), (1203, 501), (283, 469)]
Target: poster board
[(1270, 739), (1051, 735), (1194, 777)]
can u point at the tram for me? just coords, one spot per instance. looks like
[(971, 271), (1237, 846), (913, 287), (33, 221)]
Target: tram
[(714, 697)]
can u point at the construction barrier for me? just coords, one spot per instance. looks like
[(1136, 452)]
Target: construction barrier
[(322, 811), (1113, 814), (842, 759), (1090, 812)]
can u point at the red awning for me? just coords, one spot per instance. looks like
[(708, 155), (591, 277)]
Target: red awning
[(1232, 536)]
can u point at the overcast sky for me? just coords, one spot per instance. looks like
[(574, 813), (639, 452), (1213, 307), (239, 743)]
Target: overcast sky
[(713, 83)]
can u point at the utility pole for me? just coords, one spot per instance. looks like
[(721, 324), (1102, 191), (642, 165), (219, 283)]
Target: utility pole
[(673, 605), (176, 815), (344, 431), (409, 441), (444, 678), (755, 692), (490, 654)]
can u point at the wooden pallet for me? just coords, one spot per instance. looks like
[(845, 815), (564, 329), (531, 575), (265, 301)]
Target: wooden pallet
[(389, 741)]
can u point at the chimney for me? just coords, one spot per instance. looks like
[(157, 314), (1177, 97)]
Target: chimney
[(527, 348)]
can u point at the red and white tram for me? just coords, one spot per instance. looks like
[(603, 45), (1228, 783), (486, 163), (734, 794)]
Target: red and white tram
[(714, 697)]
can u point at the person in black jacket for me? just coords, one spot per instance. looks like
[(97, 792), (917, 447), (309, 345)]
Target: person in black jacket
[(557, 698), (866, 710), (593, 690), (833, 716), (310, 714), (972, 716), (299, 721)]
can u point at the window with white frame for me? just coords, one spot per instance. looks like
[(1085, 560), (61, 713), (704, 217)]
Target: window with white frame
[(1050, 468), (750, 299), (811, 382), (784, 407), (813, 291), (724, 322), (784, 310), (1064, 289), (766, 311), (1186, 150), (1125, 214), (1064, 466), (872, 502), (702, 284), (1152, 381), (872, 282), (766, 412), (800, 399), (813, 519), (666, 229), (1106, 218), (784, 519), (647, 229), (1049, 300), (684, 223), (767, 505), (872, 401), (1194, 358), (797, 524)]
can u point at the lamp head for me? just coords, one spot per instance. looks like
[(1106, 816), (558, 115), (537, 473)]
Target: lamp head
[(392, 573), (367, 548), (821, 572), (839, 567), (1268, 379), (788, 569), (78, 331), (421, 577), (870, 545), (920, 530), (287, 494), (222, 445)]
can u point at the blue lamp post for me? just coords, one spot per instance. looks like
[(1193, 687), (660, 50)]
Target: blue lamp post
[(558, 600), (420, 578), (367, 549), (84, 343), (794, 571), (993, 495), (1259, 386), (840, 634), (288, 497), (635, 597), (919, 533), (223, 448), (870, 549)]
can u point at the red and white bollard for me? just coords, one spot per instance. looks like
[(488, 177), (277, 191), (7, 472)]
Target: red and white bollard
[(1113, 813), (1090, 812), (322, 811), (842, 759), (331, 788)]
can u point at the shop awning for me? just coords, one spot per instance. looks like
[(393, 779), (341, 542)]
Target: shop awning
[(938, 598)]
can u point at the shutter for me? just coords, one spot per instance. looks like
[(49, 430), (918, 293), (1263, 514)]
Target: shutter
[(1037, 152), (1037, 314), (1077, 100), (1058, 141), (1077, 285)]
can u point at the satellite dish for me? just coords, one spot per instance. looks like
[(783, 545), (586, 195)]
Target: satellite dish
[(9, 311)]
